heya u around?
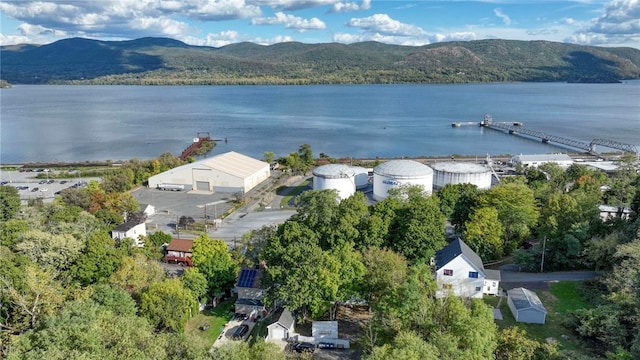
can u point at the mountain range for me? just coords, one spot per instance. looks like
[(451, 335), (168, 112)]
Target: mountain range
[(163, 61)]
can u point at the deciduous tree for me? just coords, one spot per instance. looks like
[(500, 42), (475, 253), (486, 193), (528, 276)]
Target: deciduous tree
[(9, 202), (212, 258), (167, 305), (483, 233)]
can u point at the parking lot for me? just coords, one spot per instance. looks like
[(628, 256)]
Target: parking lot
[(29, 187)]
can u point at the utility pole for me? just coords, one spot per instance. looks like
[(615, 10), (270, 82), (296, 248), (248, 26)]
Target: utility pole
[(544, 243)]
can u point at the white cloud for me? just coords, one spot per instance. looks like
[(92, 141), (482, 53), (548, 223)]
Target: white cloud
[(291, 4), (385, 25), (351, 6), (619, 25), (505, 18), (216, 40), (273, 40), (291, 22)]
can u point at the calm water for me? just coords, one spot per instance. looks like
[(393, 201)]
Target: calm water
[(77, 123)]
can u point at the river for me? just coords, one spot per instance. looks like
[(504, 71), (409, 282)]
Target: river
[(78, 123)]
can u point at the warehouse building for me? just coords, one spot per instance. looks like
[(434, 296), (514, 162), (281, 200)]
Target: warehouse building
[(226, 173)]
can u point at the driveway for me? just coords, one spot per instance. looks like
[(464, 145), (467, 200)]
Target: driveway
[(540, 281)]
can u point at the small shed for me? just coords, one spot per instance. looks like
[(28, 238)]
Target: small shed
[(147, 209), (526, 306), (283, 327)]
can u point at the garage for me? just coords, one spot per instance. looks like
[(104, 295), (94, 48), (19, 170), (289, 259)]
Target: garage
[(230, 172), (526, 306)]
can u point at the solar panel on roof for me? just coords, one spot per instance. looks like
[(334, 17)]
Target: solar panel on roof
[(247, 276)]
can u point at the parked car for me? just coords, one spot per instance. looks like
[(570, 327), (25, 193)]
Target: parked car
[(35, 189), (303, 347), (63, 182), (51, 181), (241, 331), (4, 183), (42, 182), (44, 189)]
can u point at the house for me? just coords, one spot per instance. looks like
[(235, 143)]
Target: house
[(609, 212), (179, 251), (132, 230), (282, 328), (250, 292), (563, 160), (147, 209), (459, 270), (526, 306)]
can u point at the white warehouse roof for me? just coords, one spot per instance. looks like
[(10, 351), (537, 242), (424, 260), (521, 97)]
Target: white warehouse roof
[(232, 163), (542, 157), (403, 168)]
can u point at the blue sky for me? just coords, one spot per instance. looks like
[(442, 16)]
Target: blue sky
[(221, 22)]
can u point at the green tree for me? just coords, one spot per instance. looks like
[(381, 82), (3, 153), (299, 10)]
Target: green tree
[(269, 156), (136, 273), (450, 194), (513, 344), (516, 208), (98, 260), (420, 227), (212, 258), (114, 299), (306, 155), (483, 233), (54, 252), (406, 345), (193, 280), (167, 305), (9, 202), (386, 272), (11, 230), (159, 238)]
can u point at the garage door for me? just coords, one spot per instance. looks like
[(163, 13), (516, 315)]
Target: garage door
[(202, 185)]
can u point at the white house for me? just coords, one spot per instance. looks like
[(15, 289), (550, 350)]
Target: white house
[(147, 209), (459, 271), (610, 212), (526, 306), (535, 160), (132, 230), (282, 328)]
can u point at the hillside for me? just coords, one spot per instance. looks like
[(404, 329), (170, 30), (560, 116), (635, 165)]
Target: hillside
[(171, 62)]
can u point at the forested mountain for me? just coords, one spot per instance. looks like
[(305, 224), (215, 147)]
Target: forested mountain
[(168, 61)]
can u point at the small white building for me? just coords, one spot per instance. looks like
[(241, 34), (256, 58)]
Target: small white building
[(610, 212), (147, 209), (282, 328), (459, 271), (526, 306), (132, 230), (563, 160), (227, 173)]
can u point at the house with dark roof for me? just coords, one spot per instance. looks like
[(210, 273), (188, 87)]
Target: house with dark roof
[(179, 251), (250, 292), (526, 306), (131, 230), (459, 271)]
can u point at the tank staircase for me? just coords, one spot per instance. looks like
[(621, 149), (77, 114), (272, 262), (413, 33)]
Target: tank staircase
[(516, 128)]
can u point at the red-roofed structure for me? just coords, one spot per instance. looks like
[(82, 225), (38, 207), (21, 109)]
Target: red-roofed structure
[(179, 251)]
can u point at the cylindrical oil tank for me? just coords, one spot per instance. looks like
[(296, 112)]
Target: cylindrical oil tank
[(362, 177), (461, 173), (335, 176), (395, 173)]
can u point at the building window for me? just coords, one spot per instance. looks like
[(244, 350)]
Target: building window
[(478, 288), (473, 274), (494, 283), (448, 272)]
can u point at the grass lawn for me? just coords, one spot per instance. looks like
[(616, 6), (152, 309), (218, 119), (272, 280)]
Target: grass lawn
[(559, 301), (284, 203), (214, 318)]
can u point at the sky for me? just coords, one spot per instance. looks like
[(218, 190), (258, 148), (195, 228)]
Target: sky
[(221, 22)]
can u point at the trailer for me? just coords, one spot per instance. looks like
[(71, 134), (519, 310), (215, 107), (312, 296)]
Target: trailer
[(170, 187)]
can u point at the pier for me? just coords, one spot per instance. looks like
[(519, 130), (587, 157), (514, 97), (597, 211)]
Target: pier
[(516, 128)]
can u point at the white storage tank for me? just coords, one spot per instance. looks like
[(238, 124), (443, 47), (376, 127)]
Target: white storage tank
[(335, 176), (395, 173), (362, 177), (461, 173)]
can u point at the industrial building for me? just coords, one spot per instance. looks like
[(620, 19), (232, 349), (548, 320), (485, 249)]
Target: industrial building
[(536, 160), (461, 173), (337, 177), (362, 177), (396, 173), (226, 173)]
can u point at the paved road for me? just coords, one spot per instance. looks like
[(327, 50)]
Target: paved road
[(511, 276)]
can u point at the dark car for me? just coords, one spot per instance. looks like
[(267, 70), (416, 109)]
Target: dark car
[(51, 181), (303, 347), (35, 189), (42, 182), (241, 331), (63, 182)]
